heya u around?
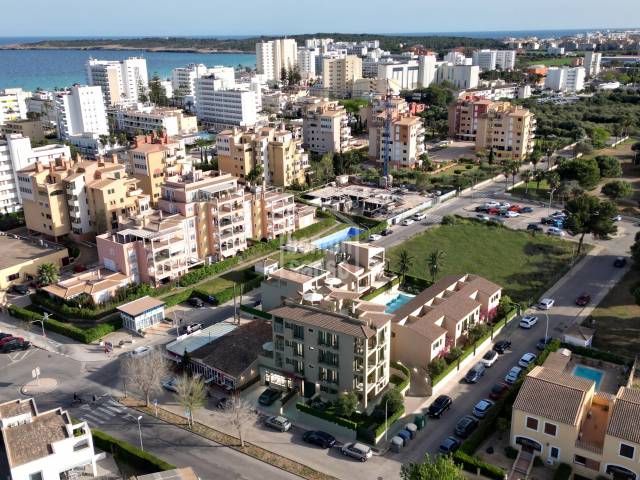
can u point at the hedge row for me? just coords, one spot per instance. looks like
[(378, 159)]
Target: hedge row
[(407, 375), (563, 472), (343, 422), (256, 312), (131, 455), (595, 354), (472, 464), (221, 296), (380, 429)]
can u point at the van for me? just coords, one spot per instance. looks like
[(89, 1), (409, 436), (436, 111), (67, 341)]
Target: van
[(475, 373)]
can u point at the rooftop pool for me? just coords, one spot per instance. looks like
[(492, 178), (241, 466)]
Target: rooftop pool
[(330, 241), (398, 301), (589, 374)]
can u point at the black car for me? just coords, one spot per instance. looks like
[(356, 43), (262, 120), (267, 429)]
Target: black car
[(211, 299), (269, 396), (620, 262), (449, 445), (535, 227), (5, 335), (543, 342), (319, 438), (20, 289), (502, 346), (439, 406), (196, 302), (13, 345), (465, 426), (482, 209), (386, 231)]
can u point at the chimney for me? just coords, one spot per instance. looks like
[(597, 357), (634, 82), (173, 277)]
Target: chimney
[(99, 275), (78, 157), (114, 159)]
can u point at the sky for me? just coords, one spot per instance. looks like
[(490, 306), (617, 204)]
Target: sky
[(273, 17)]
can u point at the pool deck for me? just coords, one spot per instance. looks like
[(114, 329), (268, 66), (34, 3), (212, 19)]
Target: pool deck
[(612, 378)]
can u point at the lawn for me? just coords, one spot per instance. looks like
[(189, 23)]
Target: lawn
[(226, 280), (295, 259), (549, 62), (531, 191), (616, 319), (524, 264)]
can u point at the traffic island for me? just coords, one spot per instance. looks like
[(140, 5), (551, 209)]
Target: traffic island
[(39, 387)]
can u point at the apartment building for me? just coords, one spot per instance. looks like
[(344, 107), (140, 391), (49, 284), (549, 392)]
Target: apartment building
[(44, 445), (16, 153), (122, 81), (565, 79), (507, 130), (307, 58), (428, 70), (275, 55), (80, 109), (222, 109), (326, 353), (592, 62), (184, 79), (460, 76), (78, 198), (152, 160), (440, 317), (489, 60), (279, 153), (147, 118), (325, 127), (33, 129), (273, 213), (464, 115), (13, 104), (368, 88), (339, 73), (562, 418), (456, 57), (375, 116), (406, 73)]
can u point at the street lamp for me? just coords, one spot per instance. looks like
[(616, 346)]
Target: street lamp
[(44, 318), (386, 427), (546, 331), (140, 432)]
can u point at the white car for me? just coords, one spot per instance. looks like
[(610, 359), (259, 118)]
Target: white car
[(555, 231), (492, 204), (278, 423), (490, 358), (504, 204), (546, 303), (511, 214), (374, 237), (528, 321), (408, 221), (617, 218), (527, 359), (419, 216), (139, 352)]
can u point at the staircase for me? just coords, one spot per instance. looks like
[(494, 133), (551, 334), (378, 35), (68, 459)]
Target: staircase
[(522, 466)]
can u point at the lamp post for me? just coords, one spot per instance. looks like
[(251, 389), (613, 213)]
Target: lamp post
[(546, 331), (140, 432), (386, 427)]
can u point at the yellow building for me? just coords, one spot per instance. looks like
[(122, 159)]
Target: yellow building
[(273, 214), (25, 127), (507, 130), (338, 75), (26, 255)]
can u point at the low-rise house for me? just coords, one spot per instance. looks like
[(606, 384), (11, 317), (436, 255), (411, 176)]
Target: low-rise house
[(142, 313), (43, 445), (578, 335), (304, 215), (100, 284)]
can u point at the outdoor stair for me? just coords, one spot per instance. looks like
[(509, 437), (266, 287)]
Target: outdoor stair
[(522, 466)]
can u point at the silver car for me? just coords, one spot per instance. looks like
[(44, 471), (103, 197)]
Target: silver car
[(358, 451), (278, 423)]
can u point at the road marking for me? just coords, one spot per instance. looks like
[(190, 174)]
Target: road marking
[(101, 415), (104, 411), (112, 409)]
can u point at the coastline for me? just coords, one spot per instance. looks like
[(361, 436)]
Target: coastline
[(117, 47)]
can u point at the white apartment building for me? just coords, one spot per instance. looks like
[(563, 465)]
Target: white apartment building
[(44, 445), (405, 73), (427, 71), (461, 76), (339, 73), (489, 60), (307, 63), (147, 118), (183, 79), (122, 81), (13, 104), (457, 58), (592, 63), (565, 79), (224, 108), (80, 109), (15, 154), (275, 55)]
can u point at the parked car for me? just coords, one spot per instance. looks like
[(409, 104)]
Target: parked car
[(482, 407), (170, 384), (498, 390), (543, 342), (196, 302), (15, 344), (319, 438), (465, 426), (617, 218), (526, 210), (139, 352), (193, 327), (504, 204), (555, 231), (211, 299), (502, 346), (481, 208), (386, 232), (513, 375), (474, 374), (358, 451), (408, 221), (511, 214), (490, 358), (449, 445), (515, 208), (535, 227), (374, 237), (619, 262), (269, 396), (492, 203), (527, 359), (278, 422), (545, 303), (5, 335), (482, 217), (419, 216), (20, 289), (439, 406), (528, 321), (583, 299), (8, 338), (493, 211)]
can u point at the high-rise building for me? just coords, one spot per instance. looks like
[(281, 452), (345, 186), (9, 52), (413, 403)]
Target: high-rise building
[(275, 55), (325, 127), (565, 79), (592, 63), (491, 59), (122, 81), (184, 79), (464, 115), (307, 63), (339, 73), (80, 109), (224, 108), (405, 73), (13, 104), (507, 130)]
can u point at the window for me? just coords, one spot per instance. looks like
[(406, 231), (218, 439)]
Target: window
[(626, 451), (550, 429), (13, 276), (532, 423), (554, 453), (579, 460), (35, 476)]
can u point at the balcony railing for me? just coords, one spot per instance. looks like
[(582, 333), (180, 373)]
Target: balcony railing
[(589, 446)]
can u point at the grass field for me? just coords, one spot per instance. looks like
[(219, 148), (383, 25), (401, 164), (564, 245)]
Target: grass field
[(550, 62), (227, 280), (532, 192), (616, 319), (525, 265)]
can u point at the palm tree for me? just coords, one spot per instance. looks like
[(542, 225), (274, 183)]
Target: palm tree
[(48, 273), (434, 262), (526, 178), (626, 123), (404, 263), (538, 176), (506, 170), (514, 166), (535, 159), (553, 180)]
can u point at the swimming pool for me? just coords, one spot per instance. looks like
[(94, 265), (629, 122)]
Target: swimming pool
[(589, 374), (396, 302), (330, 241)]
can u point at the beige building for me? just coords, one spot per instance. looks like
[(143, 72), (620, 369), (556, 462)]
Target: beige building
[(464, 114), (25, 127), (144, 120), (338, 75), (100, 284), (326, 128), (507, 130), (273, 214)]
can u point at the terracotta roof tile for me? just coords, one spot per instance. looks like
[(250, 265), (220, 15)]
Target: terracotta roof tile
[(625, 415)]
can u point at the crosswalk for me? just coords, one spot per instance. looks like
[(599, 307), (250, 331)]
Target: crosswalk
[(109, 411), (16, 357)]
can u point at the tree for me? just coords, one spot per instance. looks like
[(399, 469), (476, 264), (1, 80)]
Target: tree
[(584, 148), (239, 414), (609, 166), (491, 157), (122, 139), (346, 404), (538, 177), (422, 181), (441, 468), (324, 169), (553, 180), (617, 189), (535, 158), (589, 215), (599, 137), (255, 174), (393, 399), (146, 372), (157, 93), (514, 169), (526, 176), (191, 394), (48, 273), (404, 263), (584, 170), (283, 77), (434, 263)]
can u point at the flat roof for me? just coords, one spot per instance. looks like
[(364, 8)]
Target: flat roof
[(14, 408), (192, 342), (141, 305), (24, 250)]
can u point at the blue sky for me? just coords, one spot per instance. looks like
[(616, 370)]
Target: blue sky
[(248, 17)]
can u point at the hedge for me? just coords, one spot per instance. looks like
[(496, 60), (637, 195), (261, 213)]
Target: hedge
[(343, 422), (472, 464), (386, 287), (131, 455), (407, 375), (256, 312), (390, 421), (563, 472), (177, 298), (595, 354)]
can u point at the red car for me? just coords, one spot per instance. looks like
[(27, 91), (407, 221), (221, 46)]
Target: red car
[(583, 300), (494, 211), (515, 208), (498, 390), (9, 339)]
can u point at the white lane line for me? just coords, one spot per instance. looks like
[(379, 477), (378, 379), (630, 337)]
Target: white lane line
[(115, 410)]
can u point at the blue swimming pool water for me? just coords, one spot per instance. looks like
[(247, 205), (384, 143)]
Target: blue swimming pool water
[(398, 301), (589, 374), (330, 241)]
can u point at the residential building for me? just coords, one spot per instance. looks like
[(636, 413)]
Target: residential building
[(23, 257), (494, 59), (122, 81), (555, 50), (183, 79), (44, 445), (278, 152), (307, 63), (456, 57), (273, 214), (427, 71), (440, 317), (562, 418), (80, 109), (141, 119), (460, 76), (405, 73), (13, 104), (325, 127), (339, 73), (375, 116), (24, 127), (507, 130), (275, 55), (41, 105), (464, 115), (327, 353), (368, 88), (592, 63), (16, 153), (222, 109), (565, 79), (141, 313), (100, 284)]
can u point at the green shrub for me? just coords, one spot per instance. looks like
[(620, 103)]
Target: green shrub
[(472, 464), (437, 367), (448, 220), (256, 312), (595, 354), (343, 422), (468, 167), (454, 354), (177, 298), (407, 375), (563, 472), (510, 452), (393, 400)]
